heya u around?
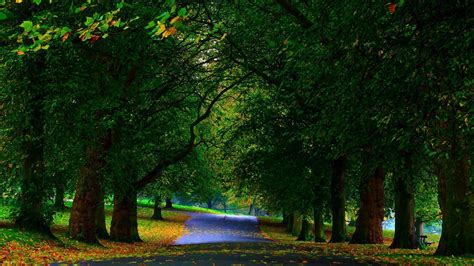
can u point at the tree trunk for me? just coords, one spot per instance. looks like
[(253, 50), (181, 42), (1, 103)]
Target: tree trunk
[(456, 200), (371, 212), (101, 227), (32, 215), (82, 223), (289, 224), (157, 209), (319, 234), (124, 226), (252, 210), (304, 232), (169, 203), (59, 197), (420, 229), (297, 223), (285, 219), (405, 236), (209, 204), (338, 200)]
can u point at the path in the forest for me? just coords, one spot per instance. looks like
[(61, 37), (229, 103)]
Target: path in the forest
[(228, 240), (207, 228)]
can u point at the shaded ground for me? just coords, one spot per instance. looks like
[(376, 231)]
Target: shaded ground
[(211, 228), (233, 254)]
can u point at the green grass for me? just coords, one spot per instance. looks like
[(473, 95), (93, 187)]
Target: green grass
[(150, 204)]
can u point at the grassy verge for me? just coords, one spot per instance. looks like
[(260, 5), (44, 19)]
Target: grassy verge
[(24, 247), (150, 204), (363, 253)]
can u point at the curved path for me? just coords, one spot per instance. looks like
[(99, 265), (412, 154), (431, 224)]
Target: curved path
[(216, 228)]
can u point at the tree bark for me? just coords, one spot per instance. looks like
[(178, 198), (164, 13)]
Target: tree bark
[(419, 229), (289, 224), (169, 203), (319, 234), (82, 223), (304, 232), (405, 235), (371, 212), (59, 197), (124, 226), (338, 200), (32, 215), (297, 223), (456, 200), (157, 209), (101, 228), (209, 204)]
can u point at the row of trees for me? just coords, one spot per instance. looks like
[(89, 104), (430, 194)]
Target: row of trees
[(106, 97), (322, 99), (355, 95)]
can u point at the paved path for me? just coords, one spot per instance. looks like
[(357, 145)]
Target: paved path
[(216, 228)]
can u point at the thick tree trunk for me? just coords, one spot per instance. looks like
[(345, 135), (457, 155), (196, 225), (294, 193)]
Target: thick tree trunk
[(31, 215), (157, 209), (304, 232), (456, 200), (169, 203), (101, 227), (338, 200), (297, 224), (124, 227), (82, 223), (319, 235), (59, 197), (371, 212), (405, 235)]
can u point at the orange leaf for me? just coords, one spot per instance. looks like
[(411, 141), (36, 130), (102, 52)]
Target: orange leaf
[(392, 7), (65, 36), (20, 53)]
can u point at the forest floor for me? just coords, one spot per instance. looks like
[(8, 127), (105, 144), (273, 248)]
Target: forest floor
[(374, 254), (17, 246), (277, 246)]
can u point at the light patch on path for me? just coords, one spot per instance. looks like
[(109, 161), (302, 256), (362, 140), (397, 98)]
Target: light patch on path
[(218, 228)]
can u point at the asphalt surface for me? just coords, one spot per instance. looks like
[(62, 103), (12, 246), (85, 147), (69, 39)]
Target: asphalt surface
[(214, 228), (227, 240)]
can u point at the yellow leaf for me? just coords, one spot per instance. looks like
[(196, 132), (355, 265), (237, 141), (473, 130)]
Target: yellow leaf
[(18, 1), (175, 19)]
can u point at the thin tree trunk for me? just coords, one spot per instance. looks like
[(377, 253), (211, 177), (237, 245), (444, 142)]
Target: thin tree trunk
[(371, 212), (289, 224), (209, 204), (169, 203), (304, 232), (124, 226), (59, 197), (419, 229), (338, 200), (157, 209), (319, 234)]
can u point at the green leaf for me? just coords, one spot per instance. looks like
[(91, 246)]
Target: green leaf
[(89, 21), (182, 12), (150, 25), (27, 25), (37, 2), (104, 27), (3, 16), (119, 5), (401, 3)]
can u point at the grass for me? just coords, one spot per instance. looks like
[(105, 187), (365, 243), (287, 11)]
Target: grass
[(150, 204), (25, 247), (363, 253)]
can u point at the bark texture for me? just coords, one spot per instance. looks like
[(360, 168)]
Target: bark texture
[(319, 235), (371, 212), (304, 232), (124, 227), (338, 200), (59, 197), (157, 215), (405, 235), (82, 223)]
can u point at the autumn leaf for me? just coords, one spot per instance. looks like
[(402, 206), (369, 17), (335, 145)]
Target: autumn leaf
[(392, 8), (20, 53), (65, 37)]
